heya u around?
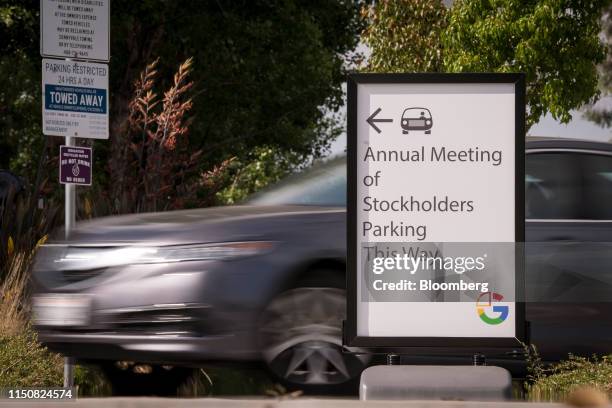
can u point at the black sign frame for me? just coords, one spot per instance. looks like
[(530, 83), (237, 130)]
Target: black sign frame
[(350, 337)]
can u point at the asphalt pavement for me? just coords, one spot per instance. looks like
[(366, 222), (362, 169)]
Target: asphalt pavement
[(147, 402)]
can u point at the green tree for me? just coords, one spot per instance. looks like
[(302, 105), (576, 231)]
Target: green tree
[(19, 84), (603, 115), (259, 170), (265, 73), (405, 35), (554, 42)]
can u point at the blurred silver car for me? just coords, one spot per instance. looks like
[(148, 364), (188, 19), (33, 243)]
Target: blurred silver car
[(262, 281)]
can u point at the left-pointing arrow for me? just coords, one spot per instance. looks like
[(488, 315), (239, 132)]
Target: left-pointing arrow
[(372, 121)]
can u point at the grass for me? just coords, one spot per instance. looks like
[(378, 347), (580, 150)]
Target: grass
[(91, 382), (565, 377), (569, 380), (227, 381), (14, 308), (205, 382)]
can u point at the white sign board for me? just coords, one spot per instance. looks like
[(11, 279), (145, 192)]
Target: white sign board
[(75, 99), (76, 29), (435, 209)]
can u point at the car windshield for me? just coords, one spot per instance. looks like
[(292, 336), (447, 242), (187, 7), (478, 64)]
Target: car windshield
[(323, 184)]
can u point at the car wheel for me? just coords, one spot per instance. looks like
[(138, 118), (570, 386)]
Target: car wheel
[(301, 339), (129, 378)]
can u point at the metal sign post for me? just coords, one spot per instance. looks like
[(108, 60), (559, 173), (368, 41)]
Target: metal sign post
[(69, 221), (75, 92)]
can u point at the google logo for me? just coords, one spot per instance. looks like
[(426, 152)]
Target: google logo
[(484, 303)]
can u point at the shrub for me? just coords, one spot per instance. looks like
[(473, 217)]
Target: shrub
[(152, 166), (558, 381), (22, 226), (24, 362)]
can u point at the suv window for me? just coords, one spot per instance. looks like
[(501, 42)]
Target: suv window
[(597, 176), (552, 186), (567, 185)]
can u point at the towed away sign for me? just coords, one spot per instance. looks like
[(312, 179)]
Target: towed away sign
[(75, 99)]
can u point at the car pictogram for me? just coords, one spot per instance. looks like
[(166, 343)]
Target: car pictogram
[(416, 119)]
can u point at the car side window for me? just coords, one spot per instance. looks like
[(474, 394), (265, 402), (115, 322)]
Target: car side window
[(553, 188), (597, 180), (323, 185), (327, 189)]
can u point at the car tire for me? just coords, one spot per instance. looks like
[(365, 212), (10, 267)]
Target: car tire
[(131, 379), (300, 335)]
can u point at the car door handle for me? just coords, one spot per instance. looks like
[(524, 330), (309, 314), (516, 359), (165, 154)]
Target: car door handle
[(516, 353)]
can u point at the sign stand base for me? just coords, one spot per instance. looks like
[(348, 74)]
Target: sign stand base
[(409, 382)]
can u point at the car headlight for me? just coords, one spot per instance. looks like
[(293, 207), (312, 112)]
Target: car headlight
[(83, 257)]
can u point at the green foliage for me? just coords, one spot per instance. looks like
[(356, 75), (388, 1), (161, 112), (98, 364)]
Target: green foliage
[(535, 367), (267, 72), (558, 381), (23, 226), (265, 69), (555, 43), (404, 35), (262, 168), (152, 166), (91, 382), (603, 116), (25, 363), (19, 86)]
